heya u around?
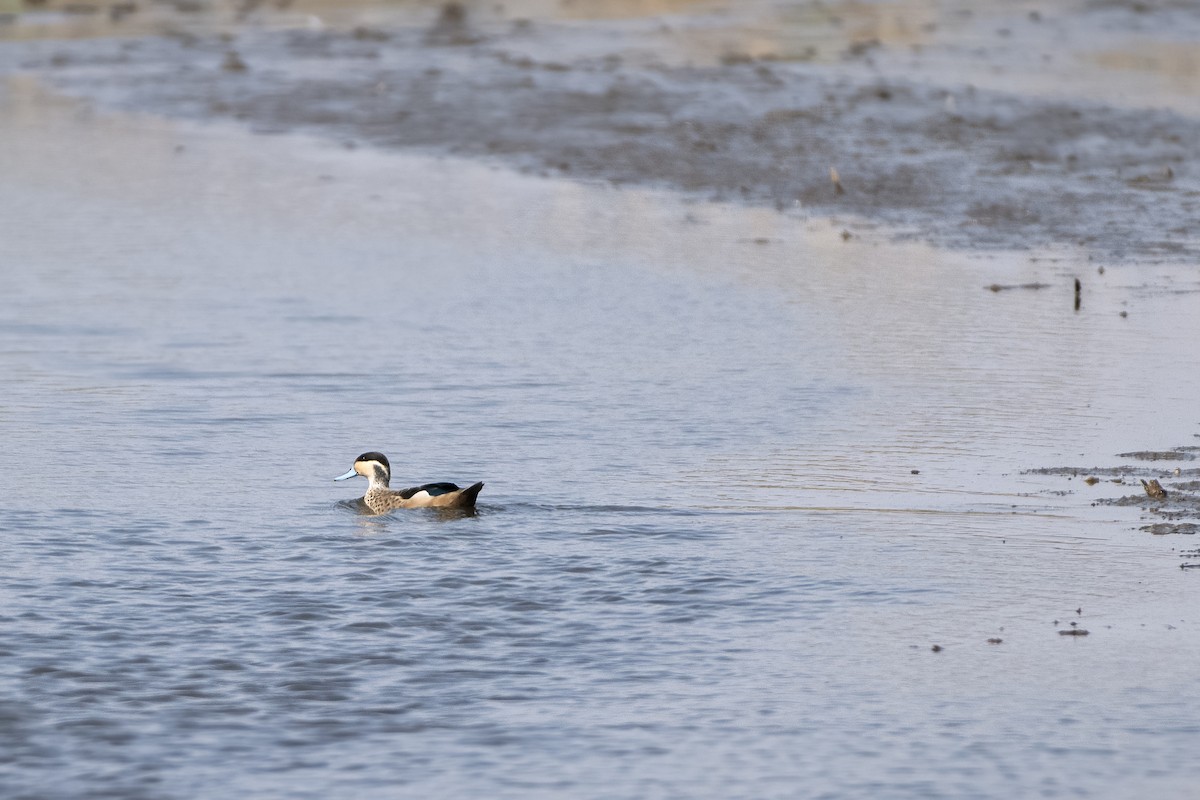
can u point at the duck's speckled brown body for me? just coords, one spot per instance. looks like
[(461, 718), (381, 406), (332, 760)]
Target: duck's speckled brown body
[(380, 499)]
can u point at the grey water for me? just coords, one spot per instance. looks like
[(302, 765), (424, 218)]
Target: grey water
[(742, 475)]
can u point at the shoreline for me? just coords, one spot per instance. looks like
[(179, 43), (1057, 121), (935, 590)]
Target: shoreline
[(855, 133)]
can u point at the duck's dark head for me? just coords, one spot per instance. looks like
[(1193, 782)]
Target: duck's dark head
[(372, 466)]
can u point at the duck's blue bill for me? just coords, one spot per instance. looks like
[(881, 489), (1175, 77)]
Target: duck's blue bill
[(349, 474)]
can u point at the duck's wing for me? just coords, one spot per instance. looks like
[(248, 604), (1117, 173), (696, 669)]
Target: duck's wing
[(431, 489)]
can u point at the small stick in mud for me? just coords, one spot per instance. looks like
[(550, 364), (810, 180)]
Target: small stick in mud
[(1078, 290), (1154, 489), (837, 181)]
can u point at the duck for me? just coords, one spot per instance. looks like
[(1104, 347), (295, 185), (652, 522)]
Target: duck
[(380, 499)]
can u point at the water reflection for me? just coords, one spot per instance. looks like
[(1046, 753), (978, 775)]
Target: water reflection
[(438, 514)]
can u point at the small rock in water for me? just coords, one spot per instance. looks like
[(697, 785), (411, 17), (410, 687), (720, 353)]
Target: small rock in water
[(233, 62), (451, 27)]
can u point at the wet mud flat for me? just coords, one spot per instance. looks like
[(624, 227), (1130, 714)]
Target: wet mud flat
[(733, 103), (1159, 482)]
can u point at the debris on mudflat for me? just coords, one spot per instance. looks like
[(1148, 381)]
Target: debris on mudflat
[(233, 62), (1154, 489), (1000, 287), (366, 34), (1074, 632), (451, 27)]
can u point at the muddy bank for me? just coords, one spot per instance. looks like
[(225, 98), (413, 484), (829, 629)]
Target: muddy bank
[(1165, 492), (851, 132)]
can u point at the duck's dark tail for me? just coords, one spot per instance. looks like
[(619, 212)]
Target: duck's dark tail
[(466, 498)]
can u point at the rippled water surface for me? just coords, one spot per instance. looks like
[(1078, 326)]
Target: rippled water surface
[(742, 475)]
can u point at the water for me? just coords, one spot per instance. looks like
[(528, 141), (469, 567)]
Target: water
[(703, 565)]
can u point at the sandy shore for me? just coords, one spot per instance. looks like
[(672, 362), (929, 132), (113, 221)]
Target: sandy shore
[(978, 125)]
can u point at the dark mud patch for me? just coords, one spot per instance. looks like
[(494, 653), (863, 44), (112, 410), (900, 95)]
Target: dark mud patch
[(964, 167), (1167, 528), (999, 287), (1116, 474), (1176, 505), (1176, 454)]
